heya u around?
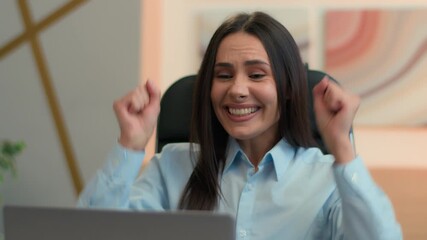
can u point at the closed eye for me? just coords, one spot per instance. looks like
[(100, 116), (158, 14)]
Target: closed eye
[(256, 76), (224, 76)]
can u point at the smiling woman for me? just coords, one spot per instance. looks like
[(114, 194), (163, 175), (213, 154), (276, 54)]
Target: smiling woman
[(251, 153), (244, 95)]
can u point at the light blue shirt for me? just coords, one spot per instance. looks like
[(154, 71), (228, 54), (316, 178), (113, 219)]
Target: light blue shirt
[(297, 193)]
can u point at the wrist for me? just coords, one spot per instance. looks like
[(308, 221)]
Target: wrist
[(343, 151), (131, 145)]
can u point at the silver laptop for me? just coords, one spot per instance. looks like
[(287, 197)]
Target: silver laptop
[(36, 223)]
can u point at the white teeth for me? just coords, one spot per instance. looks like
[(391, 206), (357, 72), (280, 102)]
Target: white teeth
[(241, 111)]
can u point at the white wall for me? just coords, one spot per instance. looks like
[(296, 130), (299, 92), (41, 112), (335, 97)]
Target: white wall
[(92, 55)]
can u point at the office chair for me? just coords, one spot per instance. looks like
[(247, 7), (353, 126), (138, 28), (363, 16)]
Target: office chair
[(175, 115)]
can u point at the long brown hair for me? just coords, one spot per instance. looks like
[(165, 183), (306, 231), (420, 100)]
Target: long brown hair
[(202, 191)]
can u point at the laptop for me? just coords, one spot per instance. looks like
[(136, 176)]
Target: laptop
[(53, 223)]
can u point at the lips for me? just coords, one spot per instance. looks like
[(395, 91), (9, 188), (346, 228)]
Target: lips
[(242, 111)]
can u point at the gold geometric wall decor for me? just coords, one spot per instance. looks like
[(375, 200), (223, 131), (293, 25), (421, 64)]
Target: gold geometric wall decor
[(31, 35)]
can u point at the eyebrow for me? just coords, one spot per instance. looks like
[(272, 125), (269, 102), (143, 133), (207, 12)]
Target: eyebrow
[(247, 63)]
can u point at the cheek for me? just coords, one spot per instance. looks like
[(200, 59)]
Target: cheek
[(216, 94), (269, 96), (214, 101), (272, 101)]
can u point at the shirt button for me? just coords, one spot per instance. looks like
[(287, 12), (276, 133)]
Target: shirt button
[(250, 187), (242, 233)]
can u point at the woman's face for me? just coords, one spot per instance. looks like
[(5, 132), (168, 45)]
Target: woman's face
[(243, 92)]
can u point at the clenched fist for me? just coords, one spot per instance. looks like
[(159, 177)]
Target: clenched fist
[(137, 114)]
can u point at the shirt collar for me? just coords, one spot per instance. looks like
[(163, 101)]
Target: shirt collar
[(281, 154), (232, 153)]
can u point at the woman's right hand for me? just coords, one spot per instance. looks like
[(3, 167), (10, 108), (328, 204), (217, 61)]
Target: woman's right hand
[(137, 114)]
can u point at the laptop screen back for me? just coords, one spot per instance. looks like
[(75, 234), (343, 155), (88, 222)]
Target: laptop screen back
[(76, 223)]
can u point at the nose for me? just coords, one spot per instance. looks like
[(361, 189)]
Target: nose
[(239, 89)]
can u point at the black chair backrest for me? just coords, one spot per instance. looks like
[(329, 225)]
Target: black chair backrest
[(176, 104)]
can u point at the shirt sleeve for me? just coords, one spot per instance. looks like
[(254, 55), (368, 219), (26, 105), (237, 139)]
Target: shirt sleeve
[(112, 184), (364, 210)]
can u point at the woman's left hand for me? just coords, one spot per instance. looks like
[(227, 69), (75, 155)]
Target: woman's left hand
[(335, 109)]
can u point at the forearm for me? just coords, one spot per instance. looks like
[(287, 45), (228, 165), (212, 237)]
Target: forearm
[(111, 186), (367, 213)]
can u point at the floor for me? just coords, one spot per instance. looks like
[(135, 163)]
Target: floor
[(407, 189)]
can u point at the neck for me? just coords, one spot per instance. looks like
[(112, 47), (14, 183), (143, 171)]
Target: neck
[(255, 149)]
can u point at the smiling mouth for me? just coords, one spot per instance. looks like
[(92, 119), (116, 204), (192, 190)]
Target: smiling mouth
[(242, 111)]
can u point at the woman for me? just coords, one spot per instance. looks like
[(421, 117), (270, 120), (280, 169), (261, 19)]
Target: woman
[(255, 157)]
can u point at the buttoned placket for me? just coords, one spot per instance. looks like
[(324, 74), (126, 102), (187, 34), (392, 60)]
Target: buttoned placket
[(246, 205)]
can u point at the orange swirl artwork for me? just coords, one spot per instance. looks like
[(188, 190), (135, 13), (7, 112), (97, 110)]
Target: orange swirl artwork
[(382, 56)]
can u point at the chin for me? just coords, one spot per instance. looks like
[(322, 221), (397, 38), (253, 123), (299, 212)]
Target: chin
[(240, 135)]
